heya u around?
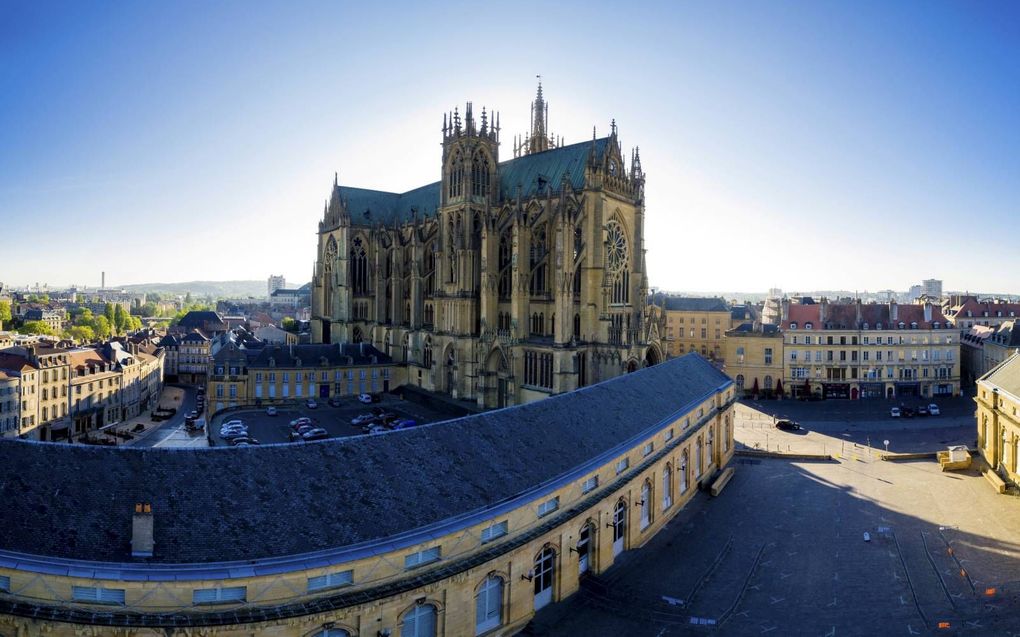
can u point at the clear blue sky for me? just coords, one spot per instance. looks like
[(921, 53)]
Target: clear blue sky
[(816, 144)]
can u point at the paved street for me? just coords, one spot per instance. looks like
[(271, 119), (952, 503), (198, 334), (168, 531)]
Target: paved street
[(174, 427), (782, 552), (336, 420)]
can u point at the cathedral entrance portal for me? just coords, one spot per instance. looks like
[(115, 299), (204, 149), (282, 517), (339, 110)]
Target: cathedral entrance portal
[(498, 380)]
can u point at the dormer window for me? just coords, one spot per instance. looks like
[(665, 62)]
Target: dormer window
[(808, 326), (901, 325), (913, 325), (865, 325)]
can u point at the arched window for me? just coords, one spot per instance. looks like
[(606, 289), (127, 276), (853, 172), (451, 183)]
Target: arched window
[(420, 621), (505, 260), (667, 487), (457, 176), (356, 336), (726, 436), (584, 544), (359, 268), (578, 242), (426, 358), (577, 282), (619, 526), (768, 382), (545, 566), (646, 504), (577, 327), (538, 262), (618, 262), (740, 381), (489, 605), (430, 269), (710, 440), (684, 464), (699, 458), (479, 175)]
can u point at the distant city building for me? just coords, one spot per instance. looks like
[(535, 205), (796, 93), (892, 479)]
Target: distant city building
[(974, 362), (694, 324), (275, 283), (54, 319), (753, 354), (275, 335), (967, 311), (299, 297), (914, 293), (932, 288)]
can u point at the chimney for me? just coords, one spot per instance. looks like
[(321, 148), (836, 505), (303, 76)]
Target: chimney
[(894, 314), (858, 306), (823, 305), (141, 531), (927, 312), (786, 310), (103, 284)]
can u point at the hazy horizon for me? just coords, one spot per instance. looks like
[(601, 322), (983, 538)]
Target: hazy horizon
[(787, 144)]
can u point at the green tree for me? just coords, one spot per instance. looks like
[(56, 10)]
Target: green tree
[(35, 327), (134, 323), (81, 334), (289, 324), (5, 312), (85, 318), (110, 313), (187, 299), (102, 327), (120, 319)]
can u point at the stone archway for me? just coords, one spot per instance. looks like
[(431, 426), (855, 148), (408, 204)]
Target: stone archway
[(499, 390), (652, 356)]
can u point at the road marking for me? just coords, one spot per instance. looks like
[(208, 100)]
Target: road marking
[(791, 554), (776, 600), (784, 575), (742, 613), (768, 630), (974, 623), (755, 587), (911, 631)]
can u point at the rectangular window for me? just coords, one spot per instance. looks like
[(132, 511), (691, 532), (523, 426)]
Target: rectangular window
[(425, 556), (219, 595), (494, 531), (649, 448), (97, 595), (330, 580), (548, 506), (768, 355), (590, 484), (669, 435), (622, 465)]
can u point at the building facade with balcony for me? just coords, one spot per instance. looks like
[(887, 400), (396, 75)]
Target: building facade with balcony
[(695, 324), (465, 527), (856, 350)]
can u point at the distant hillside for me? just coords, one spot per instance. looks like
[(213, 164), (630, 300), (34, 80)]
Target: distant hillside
[(223, 289)]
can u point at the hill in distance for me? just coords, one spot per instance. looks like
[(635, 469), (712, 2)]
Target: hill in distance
[(221, 289)]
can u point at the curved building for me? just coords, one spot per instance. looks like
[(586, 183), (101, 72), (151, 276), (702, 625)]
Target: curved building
[(464, 527)]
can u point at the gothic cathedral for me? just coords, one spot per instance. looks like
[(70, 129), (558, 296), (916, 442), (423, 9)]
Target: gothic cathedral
[(504, 282)]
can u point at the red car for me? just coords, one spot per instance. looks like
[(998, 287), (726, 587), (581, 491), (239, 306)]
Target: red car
[(298, 422)]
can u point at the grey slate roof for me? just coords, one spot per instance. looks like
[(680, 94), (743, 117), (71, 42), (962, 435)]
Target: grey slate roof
[(691, 303), (311, 355), (222, 504), (1006, 375), (531, 172)]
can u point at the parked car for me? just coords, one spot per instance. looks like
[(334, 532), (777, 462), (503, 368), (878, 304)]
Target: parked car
[(270, 411), (335, 401), (365, 399), (315, 434), (933, 409), (787, 425), (233, 422), (226, 428), (357, 421), (405, 423), (244, 440), (297, 422), (388, 417), (311, 404), (377, 429), (907, 412), (304, 428), (922, 411), (894, 412), (240, 433)]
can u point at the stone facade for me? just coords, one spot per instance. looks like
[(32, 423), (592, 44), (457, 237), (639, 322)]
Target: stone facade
[(504, 282)]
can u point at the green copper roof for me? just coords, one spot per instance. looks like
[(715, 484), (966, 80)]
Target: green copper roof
[(532, 173)]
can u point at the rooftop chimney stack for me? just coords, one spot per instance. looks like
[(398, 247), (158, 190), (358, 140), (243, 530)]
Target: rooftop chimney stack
[(141, 531)]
